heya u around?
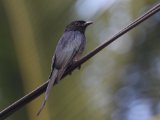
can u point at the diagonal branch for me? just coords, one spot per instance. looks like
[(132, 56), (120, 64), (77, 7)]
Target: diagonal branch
[(38, 91)]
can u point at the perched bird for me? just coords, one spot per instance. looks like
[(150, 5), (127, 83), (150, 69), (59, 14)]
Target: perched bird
[(68, 50)]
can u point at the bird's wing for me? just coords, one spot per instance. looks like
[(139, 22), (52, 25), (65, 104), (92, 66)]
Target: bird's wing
[(67, 48)]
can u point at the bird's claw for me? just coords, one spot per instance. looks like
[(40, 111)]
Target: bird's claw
[(70, 73), (56, 81), (79, 67)]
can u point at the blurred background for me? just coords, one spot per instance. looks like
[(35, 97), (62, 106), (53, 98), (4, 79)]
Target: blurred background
[(122, 82)]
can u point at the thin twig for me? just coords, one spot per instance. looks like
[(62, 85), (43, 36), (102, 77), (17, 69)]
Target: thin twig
[(38, 91)]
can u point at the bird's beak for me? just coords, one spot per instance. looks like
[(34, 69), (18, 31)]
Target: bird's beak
[(88, 23)]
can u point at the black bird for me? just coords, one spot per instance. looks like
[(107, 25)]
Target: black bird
[(68, 50)]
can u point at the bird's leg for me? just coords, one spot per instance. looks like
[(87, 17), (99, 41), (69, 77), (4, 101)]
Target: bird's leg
[(79, 67), (76, 59), (70, 73), (56, 81), (70, 66)]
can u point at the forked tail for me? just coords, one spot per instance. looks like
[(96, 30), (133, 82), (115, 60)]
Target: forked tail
[(48, 90)]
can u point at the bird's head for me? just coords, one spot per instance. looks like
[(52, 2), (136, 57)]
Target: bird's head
[(78, 26)]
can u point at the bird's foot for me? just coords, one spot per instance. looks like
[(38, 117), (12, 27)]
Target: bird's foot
[(79, 67), (70, 73), (76, 60), (56, 81)]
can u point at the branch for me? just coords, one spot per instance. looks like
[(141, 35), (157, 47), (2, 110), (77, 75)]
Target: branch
[(38, 91)]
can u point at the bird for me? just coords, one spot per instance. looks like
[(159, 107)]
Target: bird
[(68, 50)]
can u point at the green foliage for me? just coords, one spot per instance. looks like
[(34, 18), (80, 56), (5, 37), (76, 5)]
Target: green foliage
[(29, 31)]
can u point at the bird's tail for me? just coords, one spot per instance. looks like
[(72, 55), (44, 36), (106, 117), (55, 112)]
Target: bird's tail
[(50, 84)]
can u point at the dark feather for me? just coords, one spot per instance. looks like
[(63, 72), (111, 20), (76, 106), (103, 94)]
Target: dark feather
[(70, 45)]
